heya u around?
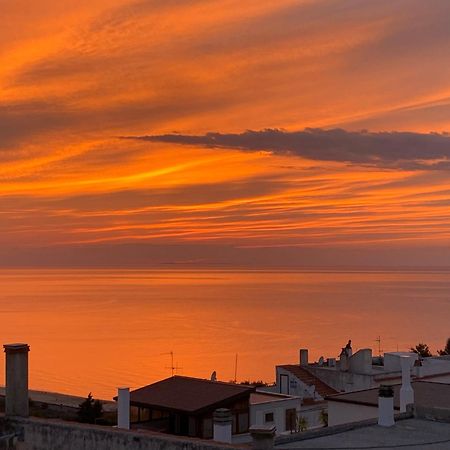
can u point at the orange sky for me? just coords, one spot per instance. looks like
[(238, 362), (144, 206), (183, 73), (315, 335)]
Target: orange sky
[(76, 75)]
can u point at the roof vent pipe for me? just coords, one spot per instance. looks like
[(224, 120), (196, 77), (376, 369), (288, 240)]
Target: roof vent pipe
[(406, 391), (386, 406)]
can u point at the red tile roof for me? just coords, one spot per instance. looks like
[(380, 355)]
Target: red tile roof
[(186, 394), (309, 379)]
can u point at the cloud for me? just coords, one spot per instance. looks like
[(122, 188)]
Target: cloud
[(396, 150)]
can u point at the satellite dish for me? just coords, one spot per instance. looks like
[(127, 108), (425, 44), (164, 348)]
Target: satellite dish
[(214, 376)]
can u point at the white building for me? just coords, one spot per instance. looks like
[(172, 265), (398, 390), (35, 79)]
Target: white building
[(361, 370), (274, 409), (357, 406)]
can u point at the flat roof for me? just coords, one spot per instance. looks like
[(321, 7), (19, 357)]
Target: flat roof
[(410, 433), (265, 397), (426, 393), (186, 394)]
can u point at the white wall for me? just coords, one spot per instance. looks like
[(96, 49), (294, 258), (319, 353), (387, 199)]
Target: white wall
[(392, 360), (340, 412), (295, 386), (313, 415), (440, 379), (258, 412), (343, 381)]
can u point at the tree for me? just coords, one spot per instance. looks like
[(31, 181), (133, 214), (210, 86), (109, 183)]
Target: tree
[(257, 383), (324, 417), (302, 424), (446, 350), (90, 410), (422, 350)]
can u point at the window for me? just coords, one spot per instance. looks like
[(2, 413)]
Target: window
[(284, 384), (268, 417), (207, 428)]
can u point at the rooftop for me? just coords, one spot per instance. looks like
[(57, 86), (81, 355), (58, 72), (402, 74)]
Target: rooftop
[(309, 379), (410, 433), (186, 394), (427, 394), (265, 397)]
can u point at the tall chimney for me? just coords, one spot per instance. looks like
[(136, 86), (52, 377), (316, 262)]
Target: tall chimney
[(16, 403), (123, 408), (222, 425), (303, 357), (386, 406), (406, 391)]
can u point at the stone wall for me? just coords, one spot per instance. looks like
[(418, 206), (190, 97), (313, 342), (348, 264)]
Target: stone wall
[(41, 434)]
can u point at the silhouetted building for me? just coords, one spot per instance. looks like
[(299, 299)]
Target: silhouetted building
[(185, 406)]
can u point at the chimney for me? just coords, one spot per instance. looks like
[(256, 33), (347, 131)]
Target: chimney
[(304, 357), (16, 403), (222, 425), (386, 406), (406, 391), (123, 408), (262, 437)]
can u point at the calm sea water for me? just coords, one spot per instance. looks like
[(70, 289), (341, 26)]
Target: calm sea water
[(94, 330)]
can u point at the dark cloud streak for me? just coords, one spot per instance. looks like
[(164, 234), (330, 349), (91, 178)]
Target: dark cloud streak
[(395, 150)]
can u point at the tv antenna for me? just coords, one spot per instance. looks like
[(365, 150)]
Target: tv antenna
[(378, 339), (172, 367)]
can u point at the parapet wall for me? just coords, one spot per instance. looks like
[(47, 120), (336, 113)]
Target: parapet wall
[(40, 434)]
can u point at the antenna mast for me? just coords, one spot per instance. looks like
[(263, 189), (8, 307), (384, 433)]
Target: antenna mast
[(173, 368), (379, 345), (235, 368)]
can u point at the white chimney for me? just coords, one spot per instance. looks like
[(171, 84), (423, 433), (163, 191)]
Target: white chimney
[(406, 391), (386, 406), (303, 357), (123, 408), (222, 425)]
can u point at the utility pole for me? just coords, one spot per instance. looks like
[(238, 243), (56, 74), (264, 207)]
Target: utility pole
[(235, 368)]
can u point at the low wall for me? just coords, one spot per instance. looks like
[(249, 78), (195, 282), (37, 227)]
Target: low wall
[(313, 416), (41, 434), (433, 413), (327, 431)]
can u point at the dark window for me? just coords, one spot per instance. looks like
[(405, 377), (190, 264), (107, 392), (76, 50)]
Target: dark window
[(284, 384), (207, 428), (268, 417)]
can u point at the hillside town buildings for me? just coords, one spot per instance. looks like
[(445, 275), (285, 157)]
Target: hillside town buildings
[(410, 405)]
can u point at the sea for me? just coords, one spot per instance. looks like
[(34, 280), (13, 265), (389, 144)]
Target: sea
[(93, 330)]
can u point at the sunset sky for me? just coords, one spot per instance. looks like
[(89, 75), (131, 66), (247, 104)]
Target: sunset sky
[(225, 132)]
